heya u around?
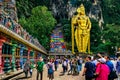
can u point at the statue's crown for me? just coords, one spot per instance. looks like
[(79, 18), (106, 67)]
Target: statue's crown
[(81, 6)]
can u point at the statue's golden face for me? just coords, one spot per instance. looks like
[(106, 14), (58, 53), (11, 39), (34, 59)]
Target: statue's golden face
[(82, 10)]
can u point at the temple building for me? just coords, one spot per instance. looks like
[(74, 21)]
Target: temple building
[(16, 44)]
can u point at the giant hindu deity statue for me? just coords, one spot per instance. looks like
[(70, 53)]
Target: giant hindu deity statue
[(81, 27)]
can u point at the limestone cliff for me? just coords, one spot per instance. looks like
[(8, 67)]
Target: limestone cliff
[(96, 12), (67, 8)]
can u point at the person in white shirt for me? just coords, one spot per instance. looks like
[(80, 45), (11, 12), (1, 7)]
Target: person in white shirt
[(114, 63), (64, 65)]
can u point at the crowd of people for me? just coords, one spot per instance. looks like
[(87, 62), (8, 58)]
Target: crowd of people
[(95, 68), (69, 66), (101, 68)]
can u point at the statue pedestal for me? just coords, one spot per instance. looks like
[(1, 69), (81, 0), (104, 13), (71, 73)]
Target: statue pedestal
[(81, 54)]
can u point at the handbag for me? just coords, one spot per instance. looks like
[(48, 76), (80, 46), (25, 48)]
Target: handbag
[(113, 75)]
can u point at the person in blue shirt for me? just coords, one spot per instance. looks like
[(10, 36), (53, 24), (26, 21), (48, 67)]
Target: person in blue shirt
[(111, 67), (88, 70), (109, 63), (79, 64)]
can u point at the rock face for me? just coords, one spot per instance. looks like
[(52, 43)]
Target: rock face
[(59, 8), (62, 9), (96, 12), (67, 8)]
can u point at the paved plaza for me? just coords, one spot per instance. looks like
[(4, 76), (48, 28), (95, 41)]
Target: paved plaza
[(57, 75)]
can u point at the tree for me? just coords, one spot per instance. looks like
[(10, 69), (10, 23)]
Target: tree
[(111, 35), (111, 11), (25, 11), (40, 24), (95, 36)]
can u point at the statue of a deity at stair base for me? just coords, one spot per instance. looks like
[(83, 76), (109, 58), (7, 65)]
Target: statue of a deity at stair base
[(81, 27)]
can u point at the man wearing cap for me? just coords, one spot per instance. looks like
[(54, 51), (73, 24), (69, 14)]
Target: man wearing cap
[(102, 70)]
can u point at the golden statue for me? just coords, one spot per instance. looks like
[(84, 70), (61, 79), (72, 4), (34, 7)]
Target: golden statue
[(81, 27)]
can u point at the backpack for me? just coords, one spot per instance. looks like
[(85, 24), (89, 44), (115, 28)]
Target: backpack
[(50, 70)]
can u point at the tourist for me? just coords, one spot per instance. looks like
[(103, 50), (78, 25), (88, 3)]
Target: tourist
[(67, 61), (88, 69), (31, 68), (114, 63), (26, 68), (64, 65), (50, 66), (102, 70), (94, 61), (74, 66), (79, 64), (39, 67), (56, 64), (111, 67), (71, 66), (118, 66)]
